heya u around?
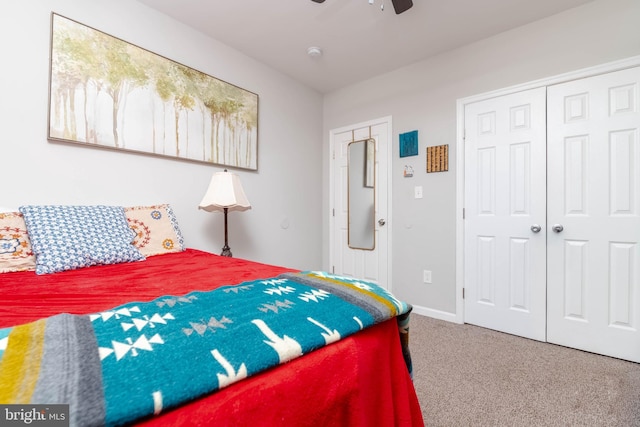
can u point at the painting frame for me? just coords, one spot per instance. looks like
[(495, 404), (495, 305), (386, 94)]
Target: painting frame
[(408, 142), (105, 92), (438, 158)]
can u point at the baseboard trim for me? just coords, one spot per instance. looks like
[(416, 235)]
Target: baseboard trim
[(436, 314)]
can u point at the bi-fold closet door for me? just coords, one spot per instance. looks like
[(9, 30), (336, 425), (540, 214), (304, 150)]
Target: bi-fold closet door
[(552, 214)]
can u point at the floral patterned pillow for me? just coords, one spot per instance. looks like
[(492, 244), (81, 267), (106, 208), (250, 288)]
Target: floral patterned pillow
[(15, 248), (156, 228)]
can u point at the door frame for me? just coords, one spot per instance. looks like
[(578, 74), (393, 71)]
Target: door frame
[(633, 61), (332, 219)]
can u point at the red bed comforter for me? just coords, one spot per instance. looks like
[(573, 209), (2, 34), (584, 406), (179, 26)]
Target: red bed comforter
[(361, 380)]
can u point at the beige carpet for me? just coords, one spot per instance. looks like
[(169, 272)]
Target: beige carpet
[(470, 376)]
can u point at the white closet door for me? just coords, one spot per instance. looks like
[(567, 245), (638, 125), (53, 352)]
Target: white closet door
[(505, 256), (594, 199)]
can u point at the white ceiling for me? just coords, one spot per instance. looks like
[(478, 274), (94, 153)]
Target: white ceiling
[(358, 40)]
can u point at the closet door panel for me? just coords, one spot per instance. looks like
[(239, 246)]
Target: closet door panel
[(593, 262), (504, 198)]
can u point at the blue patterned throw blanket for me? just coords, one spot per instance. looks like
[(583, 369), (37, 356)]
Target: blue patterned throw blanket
[(142, 358)]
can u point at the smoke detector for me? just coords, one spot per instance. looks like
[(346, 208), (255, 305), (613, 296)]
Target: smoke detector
[(314, 52)]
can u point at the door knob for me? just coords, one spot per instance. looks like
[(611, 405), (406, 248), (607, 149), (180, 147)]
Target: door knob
[(536, 228), (557, 228), (381, 222)]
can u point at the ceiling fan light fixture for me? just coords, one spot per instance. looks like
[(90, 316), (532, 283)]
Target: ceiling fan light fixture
[(398, 5)]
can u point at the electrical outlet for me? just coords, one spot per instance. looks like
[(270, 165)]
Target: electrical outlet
[(426, 276)]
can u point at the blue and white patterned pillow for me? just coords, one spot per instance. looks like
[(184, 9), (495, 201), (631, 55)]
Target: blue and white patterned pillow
[(71, 237)]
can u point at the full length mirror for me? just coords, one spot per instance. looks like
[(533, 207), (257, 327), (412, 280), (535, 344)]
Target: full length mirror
[(361, 184)]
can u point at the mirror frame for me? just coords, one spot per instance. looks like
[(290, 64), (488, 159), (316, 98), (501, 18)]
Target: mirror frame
[(367, 182)]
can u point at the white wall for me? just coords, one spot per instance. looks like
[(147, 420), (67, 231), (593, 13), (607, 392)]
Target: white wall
[(35, 170), (423, 97), (289, 217)]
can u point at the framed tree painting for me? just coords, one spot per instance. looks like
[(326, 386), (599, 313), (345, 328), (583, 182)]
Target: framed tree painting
[(108, 93)]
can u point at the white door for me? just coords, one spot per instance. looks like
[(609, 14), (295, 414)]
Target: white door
[(594, 195), (504, 251), (371, 263)]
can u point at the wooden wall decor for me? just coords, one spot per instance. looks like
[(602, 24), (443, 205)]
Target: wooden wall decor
[(409, 143), (438, 158)]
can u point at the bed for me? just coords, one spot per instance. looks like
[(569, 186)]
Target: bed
[(342, 375)]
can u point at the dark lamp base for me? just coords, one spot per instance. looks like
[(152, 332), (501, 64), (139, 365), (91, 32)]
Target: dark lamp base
[(226, 251)]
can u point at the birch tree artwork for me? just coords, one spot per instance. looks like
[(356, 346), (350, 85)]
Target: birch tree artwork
[(109, 93)]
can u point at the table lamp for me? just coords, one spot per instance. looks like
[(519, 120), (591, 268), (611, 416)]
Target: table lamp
[(225, 194)]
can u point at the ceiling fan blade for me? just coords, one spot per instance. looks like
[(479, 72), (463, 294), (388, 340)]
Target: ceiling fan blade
[(318, 1), (399, 5)]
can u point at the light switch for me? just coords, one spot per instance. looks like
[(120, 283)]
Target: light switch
[(426, 276), (417, 190)]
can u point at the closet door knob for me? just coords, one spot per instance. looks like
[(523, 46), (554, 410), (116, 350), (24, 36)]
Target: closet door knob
[(557, 228), (536, 228)]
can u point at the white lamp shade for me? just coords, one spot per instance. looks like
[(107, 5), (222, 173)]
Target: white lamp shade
[(225, 191)]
